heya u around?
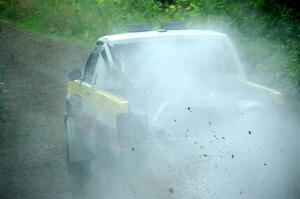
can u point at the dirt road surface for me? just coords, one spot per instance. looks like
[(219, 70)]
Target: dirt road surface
[(33, 141)]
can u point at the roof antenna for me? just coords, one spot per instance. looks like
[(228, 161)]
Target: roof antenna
[(139, 28)]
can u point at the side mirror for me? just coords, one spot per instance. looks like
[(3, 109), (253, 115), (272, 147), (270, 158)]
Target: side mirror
[(74, 75)]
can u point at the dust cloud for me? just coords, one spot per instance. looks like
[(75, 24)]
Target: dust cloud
[(211, 135)]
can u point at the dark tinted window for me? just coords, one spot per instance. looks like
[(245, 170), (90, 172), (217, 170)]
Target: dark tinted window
[(104, 55), (91, 65)]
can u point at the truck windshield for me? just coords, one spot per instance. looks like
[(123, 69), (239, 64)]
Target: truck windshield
[(207, 60)]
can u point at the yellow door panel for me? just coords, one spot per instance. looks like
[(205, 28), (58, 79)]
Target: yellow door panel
[(102, 101)]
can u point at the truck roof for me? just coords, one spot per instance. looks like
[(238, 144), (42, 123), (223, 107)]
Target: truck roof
[(134, 36)]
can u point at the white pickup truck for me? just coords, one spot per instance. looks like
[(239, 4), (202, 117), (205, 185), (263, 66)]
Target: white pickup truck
[(144, 82)]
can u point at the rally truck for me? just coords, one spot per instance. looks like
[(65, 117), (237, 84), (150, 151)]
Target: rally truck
[(146, 84)]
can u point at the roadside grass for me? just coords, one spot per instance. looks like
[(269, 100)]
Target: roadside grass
[(39, 30)]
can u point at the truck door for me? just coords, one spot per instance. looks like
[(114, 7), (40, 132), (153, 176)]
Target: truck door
[(109, 103), (82, 99)]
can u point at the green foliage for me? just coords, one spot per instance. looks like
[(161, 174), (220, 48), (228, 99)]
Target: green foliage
[(266, 31)]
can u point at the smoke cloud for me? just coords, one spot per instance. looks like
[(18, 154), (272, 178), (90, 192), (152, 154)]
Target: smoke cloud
[(211, 134)]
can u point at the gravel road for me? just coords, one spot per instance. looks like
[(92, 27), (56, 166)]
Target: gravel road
[(33, 142)]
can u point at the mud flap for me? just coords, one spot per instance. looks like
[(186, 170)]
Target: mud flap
[(81, 145)]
